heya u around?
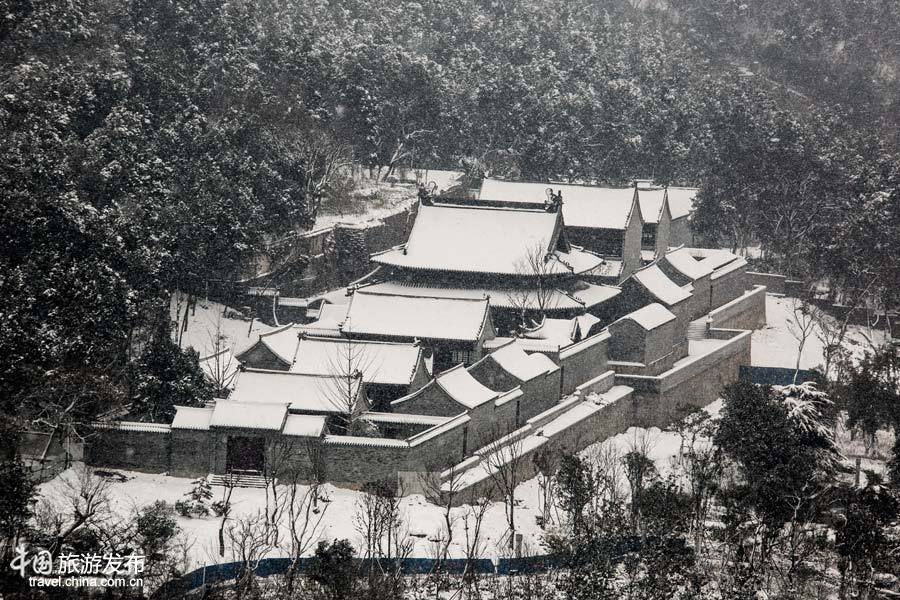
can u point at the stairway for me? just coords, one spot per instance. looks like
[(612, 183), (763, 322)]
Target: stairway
[(242, 479), (697, 329)]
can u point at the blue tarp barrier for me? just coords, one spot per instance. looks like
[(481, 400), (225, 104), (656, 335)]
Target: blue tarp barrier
[(777, 375)]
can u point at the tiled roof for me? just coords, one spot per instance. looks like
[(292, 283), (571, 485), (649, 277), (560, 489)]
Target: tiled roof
[(249, 415), (681, 201), (682, 261), (424, 317), (652, 203), (650, 316), (304, 393), (189, 417), (403, 418), (482, 239), (581, 294), (586, 206), (559, 331), (521, 365), (380, 362), (132, 426), (464, 388), (660, 286), (304, 426)]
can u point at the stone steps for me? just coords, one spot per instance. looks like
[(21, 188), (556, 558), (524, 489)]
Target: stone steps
[(242, 480), (697, 330)]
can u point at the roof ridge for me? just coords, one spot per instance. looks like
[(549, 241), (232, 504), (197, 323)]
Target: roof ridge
[(551, 183), (316, 338), (380, 293), (537, 211), (276, 330), (292, 373)]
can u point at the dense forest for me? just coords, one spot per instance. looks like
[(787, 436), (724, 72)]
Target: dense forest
[(150, 146)]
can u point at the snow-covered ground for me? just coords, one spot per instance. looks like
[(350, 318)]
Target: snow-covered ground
[(424, 520), (776, 346), (209, 320), (773, 346)]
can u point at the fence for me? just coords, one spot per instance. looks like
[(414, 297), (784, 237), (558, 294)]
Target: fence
[(777, 375)]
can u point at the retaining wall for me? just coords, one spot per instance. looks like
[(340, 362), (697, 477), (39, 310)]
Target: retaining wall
[(582, 361), (747, 311), (665, 398)]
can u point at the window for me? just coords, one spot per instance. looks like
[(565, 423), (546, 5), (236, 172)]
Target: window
[(460, 356), (648, 236)]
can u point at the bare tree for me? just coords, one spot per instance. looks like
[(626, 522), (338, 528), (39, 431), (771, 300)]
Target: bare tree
[(84, 502), (608, 476), (536, 294), (220, 365), (801, 328), (472, 523), (249, 539), (639, 470), (304, 521), (547, 460), (224, 511), (701, 464), (443, 493), (344, 387), (505, 465), (324, 159)]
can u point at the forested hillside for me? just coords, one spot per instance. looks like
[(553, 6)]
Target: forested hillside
[(837, 51), (150, 146)]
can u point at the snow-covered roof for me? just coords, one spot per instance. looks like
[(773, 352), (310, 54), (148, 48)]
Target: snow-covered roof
[(712, 257), (610, 268), (389, 363), (577, 295), (585, 322), (464, 388), (282, 342), (559, 331), (652, 203), (526, 344), (304, 393), (586, 206), (403, 418), (660, 286), (521, 365), (423, 317), (682, 261), (483, 239), (681, 201), (304, 425), (220, 367), (190, 417), (249, 415), (331, 315), (650, 316), (734, 265), (132, 426)]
